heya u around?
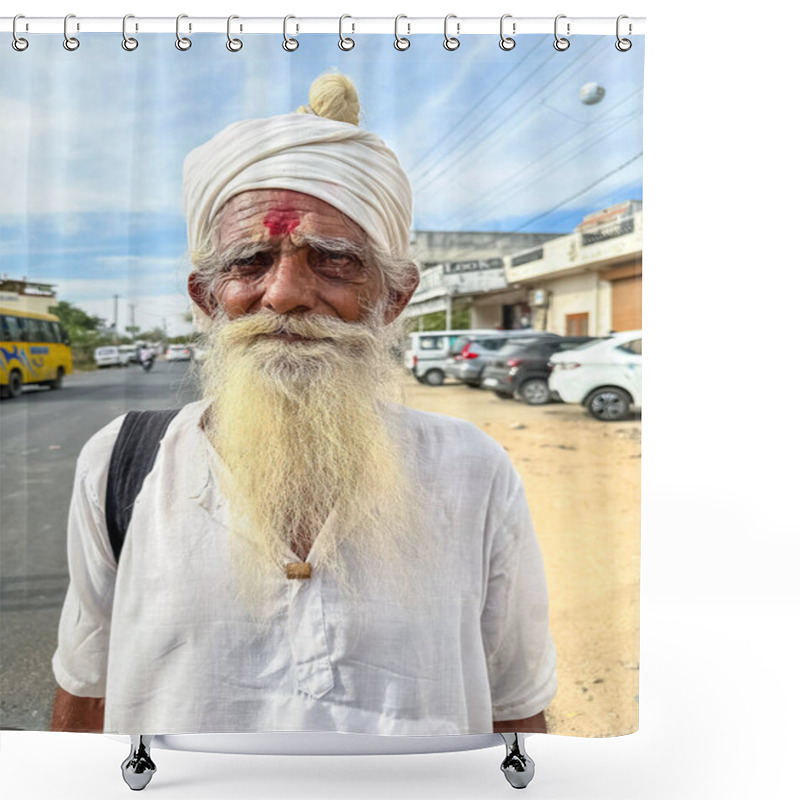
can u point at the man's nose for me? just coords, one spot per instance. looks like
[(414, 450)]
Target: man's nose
[(290, 286)]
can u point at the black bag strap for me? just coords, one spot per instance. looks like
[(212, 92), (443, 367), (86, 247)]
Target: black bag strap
[(132, 459)]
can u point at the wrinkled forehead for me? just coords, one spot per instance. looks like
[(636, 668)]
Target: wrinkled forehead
[(264, 214)]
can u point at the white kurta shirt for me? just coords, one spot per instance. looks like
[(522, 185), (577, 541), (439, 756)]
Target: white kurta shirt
[(163, 637)]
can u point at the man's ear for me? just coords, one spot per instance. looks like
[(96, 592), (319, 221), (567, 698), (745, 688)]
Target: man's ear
[(200, 296), (398, 301)]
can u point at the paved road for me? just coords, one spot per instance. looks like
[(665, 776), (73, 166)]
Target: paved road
[(41, 434)]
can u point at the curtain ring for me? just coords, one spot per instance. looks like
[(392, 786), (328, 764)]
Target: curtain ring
[(400, 42), (451, 42), (182, 42), (289, 44), (70, 42), (345, 43), (561, 43), (19, 44), (128, 42), (623, 45), (234, 45), (506, 42)]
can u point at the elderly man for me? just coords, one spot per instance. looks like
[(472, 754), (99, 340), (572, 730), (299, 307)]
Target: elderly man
[(306, 553)]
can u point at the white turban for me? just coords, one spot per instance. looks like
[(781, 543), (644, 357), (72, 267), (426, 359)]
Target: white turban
[(349, 168)]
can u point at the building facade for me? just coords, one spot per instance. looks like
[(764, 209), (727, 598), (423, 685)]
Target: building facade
[(466, 271), (26, 295), (589, 282)]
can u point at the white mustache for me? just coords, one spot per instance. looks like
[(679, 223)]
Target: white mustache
[(246, 329)]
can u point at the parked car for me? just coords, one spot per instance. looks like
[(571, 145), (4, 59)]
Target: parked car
[(179, 352), (110, 356), (129, 354), (473, 352), (524, 373), (604, 375), (427, 352)]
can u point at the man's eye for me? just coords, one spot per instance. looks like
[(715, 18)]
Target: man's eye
[(244, 267), (337, 265)]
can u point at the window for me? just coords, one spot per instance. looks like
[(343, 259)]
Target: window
[(431, 342), (634, 347), (578, 324), (11, 329), (33, 329)]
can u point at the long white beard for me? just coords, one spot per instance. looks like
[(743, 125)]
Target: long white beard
[(303, 428)]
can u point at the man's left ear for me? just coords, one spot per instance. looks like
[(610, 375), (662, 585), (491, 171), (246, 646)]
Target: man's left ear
[(398, 301)]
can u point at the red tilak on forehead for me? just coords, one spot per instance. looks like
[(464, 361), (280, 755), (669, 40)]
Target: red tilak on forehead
[(281, 222)]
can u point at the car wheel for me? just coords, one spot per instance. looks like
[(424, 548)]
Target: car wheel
[(434, 377), (14, 388), (609, 405), (502, 395), (59, 380), (535, 392)]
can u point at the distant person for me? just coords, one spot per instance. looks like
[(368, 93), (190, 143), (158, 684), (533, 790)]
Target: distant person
[(147, 355), (306, 554)]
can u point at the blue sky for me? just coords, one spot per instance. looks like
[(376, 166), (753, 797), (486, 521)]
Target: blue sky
[(92, 143)]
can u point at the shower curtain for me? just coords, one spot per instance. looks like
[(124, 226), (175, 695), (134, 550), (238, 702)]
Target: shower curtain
[(518, 375)]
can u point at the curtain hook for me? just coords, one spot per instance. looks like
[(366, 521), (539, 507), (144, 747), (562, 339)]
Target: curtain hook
[(70, 42), (289, 44), (182, 42), (19, 44), (623, 45), (345, 43), (451, 42), (234, 45), (507, 42), (561, 43), (400, 42), (128, 42)]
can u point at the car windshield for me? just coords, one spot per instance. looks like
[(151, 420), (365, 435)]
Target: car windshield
[(515, 344)]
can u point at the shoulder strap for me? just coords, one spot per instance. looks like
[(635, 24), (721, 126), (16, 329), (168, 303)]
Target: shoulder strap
[(132, 459)]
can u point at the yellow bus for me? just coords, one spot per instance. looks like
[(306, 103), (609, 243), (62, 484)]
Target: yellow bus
[(34, 349)]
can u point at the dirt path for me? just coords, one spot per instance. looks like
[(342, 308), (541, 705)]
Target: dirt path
[(582, 479)]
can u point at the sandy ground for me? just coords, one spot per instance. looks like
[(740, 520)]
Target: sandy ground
[(582, 479)]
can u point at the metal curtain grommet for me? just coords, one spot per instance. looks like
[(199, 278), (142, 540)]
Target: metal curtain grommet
[(234, 45), (18, 43), (70, 42), (400, 42), (345, 43), (623, 45), (507, 42), (128, 42), (451, 42), (182, 42), (289, 44), (560, 43)]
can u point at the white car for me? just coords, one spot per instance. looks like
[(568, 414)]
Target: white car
[(179, 352), (110, 356), (604, 375)]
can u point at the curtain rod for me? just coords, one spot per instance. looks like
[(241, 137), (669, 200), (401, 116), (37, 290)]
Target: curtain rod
[(407, 25)]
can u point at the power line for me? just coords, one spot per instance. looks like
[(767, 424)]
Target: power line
[(578, 194)]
